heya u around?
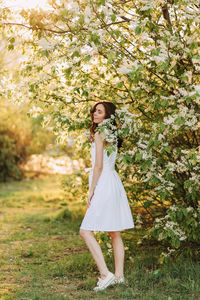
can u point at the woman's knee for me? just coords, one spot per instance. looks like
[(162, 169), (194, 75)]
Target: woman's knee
[(84, 233), (114, 234)]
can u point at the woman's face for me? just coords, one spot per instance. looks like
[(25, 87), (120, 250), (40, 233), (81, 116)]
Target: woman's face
[(99, 114)]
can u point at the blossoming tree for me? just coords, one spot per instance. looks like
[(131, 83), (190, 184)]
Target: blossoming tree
[(145, 57)]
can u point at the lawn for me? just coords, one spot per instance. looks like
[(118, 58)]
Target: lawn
[(43, 257)]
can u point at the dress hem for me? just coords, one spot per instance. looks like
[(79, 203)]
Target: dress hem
[(106, 230)]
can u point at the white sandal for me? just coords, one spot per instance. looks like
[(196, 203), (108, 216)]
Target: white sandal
[(118, 280), (104, 283)]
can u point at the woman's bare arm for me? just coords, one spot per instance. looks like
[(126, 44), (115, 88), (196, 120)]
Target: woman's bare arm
[(98, 164)]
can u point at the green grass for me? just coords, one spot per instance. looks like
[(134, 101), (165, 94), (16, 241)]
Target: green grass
[(42, 256)]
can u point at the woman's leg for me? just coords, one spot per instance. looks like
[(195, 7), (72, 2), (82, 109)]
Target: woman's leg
[(95, 250), (118, 247)]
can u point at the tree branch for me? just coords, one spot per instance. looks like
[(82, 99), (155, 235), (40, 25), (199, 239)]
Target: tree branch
[(35, 28), (166, 14)]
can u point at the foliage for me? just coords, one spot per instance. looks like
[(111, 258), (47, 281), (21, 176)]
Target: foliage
[(19, 137), (14, 138), (140, 56), (41, 137), (75, 187), (179, 228), (8, 158)]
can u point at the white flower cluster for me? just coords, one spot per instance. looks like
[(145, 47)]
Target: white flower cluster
[(170, 251), (169, 227), (185, 117), (109, 130), (87, 133), (138, 221)]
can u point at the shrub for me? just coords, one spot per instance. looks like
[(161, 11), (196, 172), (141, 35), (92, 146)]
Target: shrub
[(8, 158), (20, 136), (179, 229), (15, 135)]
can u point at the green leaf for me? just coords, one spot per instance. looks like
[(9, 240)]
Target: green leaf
[(147, 204), (75, 54), (68, 72), (162, 126), (168, 149), (109, 150), (138, 30), (127, 159), (164, 103), (71, 128), (87, 58), (180, 121), (154, 180), (138, 156), (145, 165), (101, 2), (38, 68), (155, 52), (81, 19), (120, 85), (151, 142), (188, 100), (85, 93), (32, 88), (12, 40), (113, 18), (111, 57), (95, 38), (44, 53), (10, 47)]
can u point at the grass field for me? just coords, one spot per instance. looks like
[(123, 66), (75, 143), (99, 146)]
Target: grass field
[(42, 256)]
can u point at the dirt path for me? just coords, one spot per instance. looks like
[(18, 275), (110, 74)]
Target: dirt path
[(48, 164)]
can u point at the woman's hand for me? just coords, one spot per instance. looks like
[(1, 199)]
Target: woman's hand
[(91, 193)]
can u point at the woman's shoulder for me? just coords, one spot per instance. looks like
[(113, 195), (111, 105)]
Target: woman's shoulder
[(99, 136)]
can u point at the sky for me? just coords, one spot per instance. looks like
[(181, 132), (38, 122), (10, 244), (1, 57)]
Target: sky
[(20, 4)]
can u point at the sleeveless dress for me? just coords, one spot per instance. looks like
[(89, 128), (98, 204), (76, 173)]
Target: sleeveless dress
[(109, 209)]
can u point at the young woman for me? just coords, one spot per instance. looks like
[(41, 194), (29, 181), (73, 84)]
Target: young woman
[(108, 208)]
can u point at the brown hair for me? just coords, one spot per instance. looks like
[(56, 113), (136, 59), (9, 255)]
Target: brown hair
[(109, 110)]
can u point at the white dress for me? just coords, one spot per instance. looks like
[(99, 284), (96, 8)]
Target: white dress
[(109, 209)]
